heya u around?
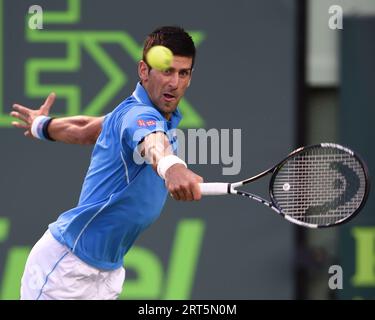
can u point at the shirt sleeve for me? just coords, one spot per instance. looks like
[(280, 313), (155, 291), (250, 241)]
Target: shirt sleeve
[(139, 122)]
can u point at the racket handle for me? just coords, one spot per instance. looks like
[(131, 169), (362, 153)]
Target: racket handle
[(214, 188)]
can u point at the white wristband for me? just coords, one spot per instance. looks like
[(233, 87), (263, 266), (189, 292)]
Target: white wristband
[(37, 127), (168, 161)]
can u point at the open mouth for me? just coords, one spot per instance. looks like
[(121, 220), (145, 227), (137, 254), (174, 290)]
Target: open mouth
[(168, 97)]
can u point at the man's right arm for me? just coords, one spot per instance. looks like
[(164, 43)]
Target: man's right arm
[(182, 183)]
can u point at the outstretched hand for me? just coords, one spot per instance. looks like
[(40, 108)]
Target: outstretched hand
[(27, 115)]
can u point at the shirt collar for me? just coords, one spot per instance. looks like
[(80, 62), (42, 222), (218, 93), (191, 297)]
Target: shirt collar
[(140, 94)]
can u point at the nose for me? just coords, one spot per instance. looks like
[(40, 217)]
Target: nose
[(173, 80)]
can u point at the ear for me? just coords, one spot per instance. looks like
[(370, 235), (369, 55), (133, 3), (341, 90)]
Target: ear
[(143, 70)]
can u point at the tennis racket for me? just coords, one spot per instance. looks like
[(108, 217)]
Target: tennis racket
[(316, 186)]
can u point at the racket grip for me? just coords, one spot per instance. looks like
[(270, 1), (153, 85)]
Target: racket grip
[(214, 188)]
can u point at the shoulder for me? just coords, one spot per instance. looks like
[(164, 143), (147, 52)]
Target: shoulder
[(140, 116), (139, 110)]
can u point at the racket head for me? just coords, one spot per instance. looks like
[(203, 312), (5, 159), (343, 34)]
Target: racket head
[(320, 186)]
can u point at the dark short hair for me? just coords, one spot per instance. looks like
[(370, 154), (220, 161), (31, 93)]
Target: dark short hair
[(173, 37)]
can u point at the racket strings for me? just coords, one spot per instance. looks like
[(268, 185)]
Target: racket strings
[(320, 186)]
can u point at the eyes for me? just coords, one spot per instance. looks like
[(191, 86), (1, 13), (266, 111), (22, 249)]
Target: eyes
[(184, 73)]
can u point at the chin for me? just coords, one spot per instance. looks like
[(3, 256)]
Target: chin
[(169, 109)]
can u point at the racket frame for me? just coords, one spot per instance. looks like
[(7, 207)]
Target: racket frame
[(323, 145), (232, 187)]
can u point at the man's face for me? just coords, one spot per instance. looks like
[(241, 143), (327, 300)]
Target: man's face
[(166, 88)]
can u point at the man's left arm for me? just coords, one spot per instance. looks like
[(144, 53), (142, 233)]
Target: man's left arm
[(74, 130)]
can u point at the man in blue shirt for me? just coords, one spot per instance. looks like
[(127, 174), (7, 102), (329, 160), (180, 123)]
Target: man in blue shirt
[(133, 168)]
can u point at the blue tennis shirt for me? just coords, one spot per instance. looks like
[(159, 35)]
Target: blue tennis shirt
[(120, 196)]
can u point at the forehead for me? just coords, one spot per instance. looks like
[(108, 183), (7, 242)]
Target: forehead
[(180, 62)]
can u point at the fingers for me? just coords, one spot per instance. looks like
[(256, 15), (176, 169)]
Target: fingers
[(21, 109), (177, 193), (196, 191), (183, 184), (45, 108), (27, 133), (28, 115), (22, 113), (187, 191), (190, 194), (23, 117), (20, 125)]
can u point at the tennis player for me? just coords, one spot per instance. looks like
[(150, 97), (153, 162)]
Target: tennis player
[(80, 256)]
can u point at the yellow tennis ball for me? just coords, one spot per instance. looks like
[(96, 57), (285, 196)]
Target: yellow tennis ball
[(159, 57)]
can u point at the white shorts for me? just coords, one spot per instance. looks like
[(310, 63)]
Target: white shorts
[(53, 272)]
